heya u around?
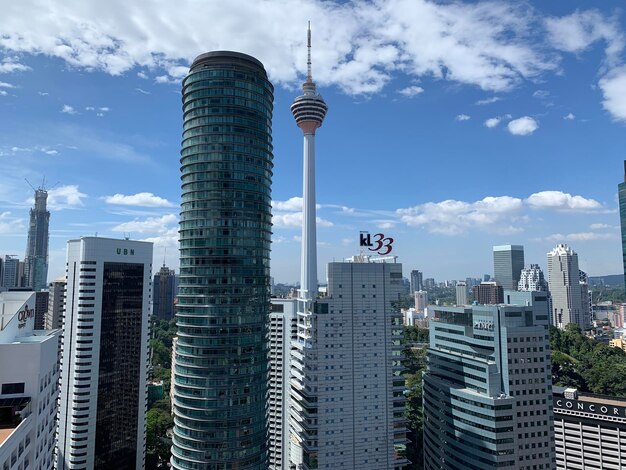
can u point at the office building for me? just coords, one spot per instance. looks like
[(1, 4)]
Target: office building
[(429, 283), (508, 262), (421, 301), (564, 286), (490, 292), (621, 193), (532, 279), (28, 385), (346, 383), (461, 293), (56, 303), (105, 350), (416, 280), (36, 260), (589, 430), (221, 364), (41, 309), (282, 331), (11, 272), (488, 390), (164, 291)]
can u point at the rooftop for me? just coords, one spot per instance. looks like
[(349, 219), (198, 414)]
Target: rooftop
[(5, 433)]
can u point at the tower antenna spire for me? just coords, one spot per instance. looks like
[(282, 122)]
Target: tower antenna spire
[(309, 75)]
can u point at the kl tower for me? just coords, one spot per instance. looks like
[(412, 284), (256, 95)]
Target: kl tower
[(309, 110)]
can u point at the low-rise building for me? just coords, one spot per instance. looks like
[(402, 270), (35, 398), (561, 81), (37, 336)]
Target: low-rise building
[(589, 430)]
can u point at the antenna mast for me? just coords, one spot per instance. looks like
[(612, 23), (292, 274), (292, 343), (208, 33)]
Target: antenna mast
[(309, 75)]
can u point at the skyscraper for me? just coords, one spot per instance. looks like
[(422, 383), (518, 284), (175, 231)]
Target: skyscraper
[(221, 364), (621, 190), (532, 279), (347, 400), (282, 331), (56, 302), (487, 389), (105, 348), (508, 262), (564, 285), (461, 293), (36, 260), (417, 282), (163, 293), (11, 272)]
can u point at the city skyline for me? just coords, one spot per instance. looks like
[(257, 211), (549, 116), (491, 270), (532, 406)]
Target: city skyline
[(516, 143)]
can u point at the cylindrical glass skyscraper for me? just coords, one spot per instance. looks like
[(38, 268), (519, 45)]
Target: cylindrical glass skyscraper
[(220, 362)]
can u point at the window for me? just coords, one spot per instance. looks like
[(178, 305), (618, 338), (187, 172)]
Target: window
[(17, 387)]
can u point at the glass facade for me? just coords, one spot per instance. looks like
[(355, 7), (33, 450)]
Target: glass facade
[(119, 375), (220, 366), (621, 189)]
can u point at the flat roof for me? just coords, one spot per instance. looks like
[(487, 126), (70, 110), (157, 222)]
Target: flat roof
[(5, 433)]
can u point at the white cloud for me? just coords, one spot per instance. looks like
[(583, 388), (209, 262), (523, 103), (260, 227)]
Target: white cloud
[(291, 204), (492, 122), (576, 32), (559, 200), (67, 109), (613, 87), (462, 117), (10, 224), (104, 109), (155, 225), (411, 91), (65, 197), (581, 237), (142, 75), (294, 220), (485, 101), (358, 46), (43, 93), (451, 217), (541, 94), (139, 199), (89, 108), (569, 117), (9, 66), (523, 126), (3, 93), (599, 226), (143, 92), (6, 85)]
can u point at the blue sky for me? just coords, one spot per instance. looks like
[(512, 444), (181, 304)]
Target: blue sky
[(452, 126)]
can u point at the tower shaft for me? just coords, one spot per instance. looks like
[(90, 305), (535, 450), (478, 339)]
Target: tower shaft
[(308, 275)]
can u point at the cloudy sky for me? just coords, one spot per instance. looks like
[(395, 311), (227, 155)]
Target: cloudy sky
[(453, 126)]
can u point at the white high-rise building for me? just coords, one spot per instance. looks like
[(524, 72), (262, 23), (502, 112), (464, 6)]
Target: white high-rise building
[(282, 330), (28, 385), (105, 350), (346, 386), (565, 289), (532, 280), (461, 293)]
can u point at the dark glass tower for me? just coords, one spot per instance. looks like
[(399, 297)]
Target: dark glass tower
[(621, 189), (220, 363), (36, 262)]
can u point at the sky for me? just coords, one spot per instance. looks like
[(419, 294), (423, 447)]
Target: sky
[(453, 126)]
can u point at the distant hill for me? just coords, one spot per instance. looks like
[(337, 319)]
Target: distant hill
[(616, 280)]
